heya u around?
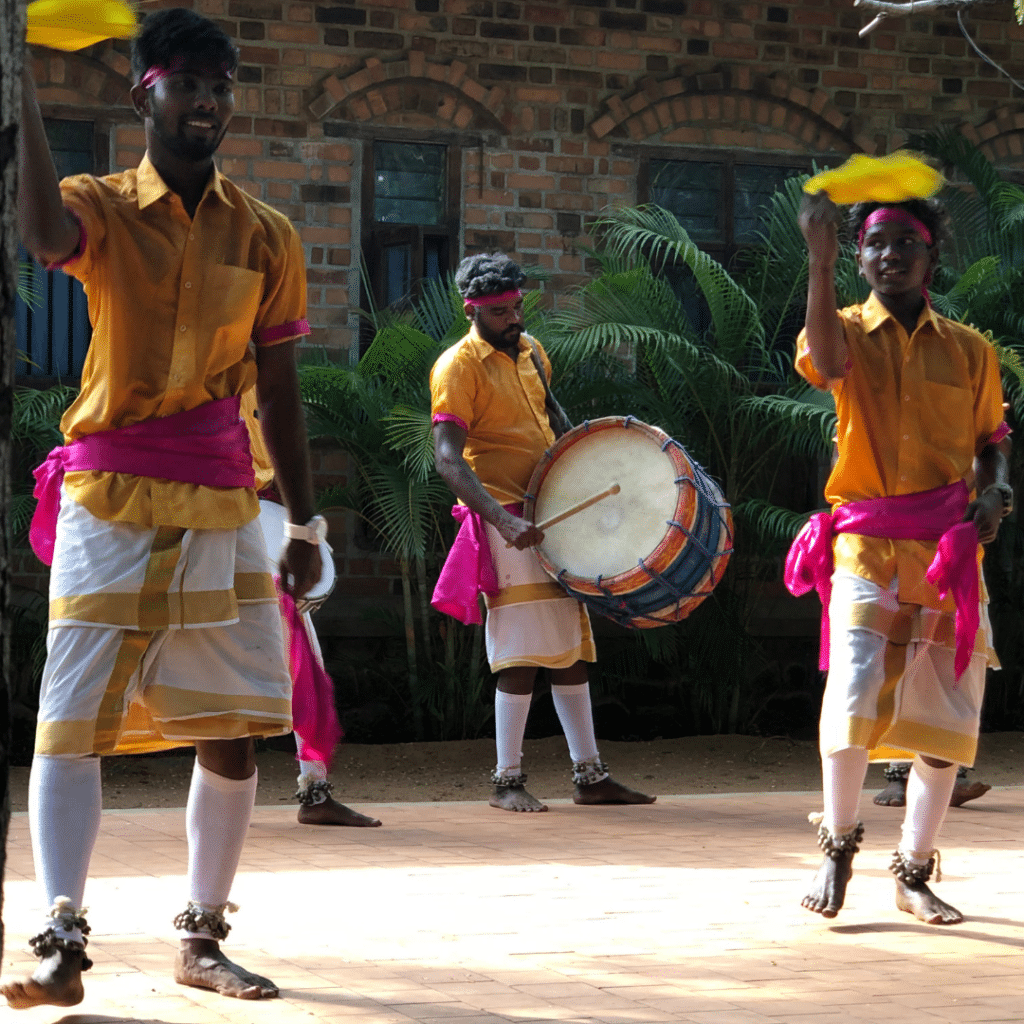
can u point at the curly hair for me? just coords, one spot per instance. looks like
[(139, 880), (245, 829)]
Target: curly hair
[(179, 32), (487, 274), (930, 212)]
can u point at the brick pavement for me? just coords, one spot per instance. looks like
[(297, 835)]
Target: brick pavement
[(684, 911)]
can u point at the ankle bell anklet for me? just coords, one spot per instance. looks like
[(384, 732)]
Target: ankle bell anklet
[(207, 920), (896, 772), (586, 773), (312, 794), (913, 874), (837, 847), (67, 918), (513, 780)]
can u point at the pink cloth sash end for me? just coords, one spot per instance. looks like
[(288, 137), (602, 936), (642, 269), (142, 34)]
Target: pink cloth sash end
[(468, 571), (314, 714), (933, 515), (208, 446)]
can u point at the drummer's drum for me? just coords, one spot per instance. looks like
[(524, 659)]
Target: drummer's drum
[(272, 520), (646, 556)]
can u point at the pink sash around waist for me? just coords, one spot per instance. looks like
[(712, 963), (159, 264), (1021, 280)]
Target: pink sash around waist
[(934, 515), (468, 571), (208, 446)]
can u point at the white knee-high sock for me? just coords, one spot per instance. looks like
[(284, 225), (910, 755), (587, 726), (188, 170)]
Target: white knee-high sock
[(510, 713), (65, 801), (842, 778), (572, 703), (217, 818), (928, 793)]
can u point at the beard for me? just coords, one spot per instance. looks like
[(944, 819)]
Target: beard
[(507, 338), (193, 148)]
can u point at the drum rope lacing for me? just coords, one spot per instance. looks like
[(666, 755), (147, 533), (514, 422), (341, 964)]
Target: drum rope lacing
[(697, 553)]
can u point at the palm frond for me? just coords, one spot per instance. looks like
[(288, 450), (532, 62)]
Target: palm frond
[(410, 432), (772, 527), (657, 235)]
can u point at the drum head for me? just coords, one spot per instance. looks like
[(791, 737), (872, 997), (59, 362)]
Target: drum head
[(272, 520), (647, 555), (608, 539)]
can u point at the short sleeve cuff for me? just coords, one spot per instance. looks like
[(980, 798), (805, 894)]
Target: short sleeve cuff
[(449, 417), (79, 249), (282, 332), (1003, 430)]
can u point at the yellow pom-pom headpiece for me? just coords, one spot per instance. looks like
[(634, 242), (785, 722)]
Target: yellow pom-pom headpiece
[(75, 24), (886, 179)]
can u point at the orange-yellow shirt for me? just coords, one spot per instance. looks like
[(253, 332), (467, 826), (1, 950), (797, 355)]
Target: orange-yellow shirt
[(501, 404), (178, 306), (912, 413)]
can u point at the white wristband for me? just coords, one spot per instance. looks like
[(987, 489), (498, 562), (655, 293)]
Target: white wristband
[(314, 532)]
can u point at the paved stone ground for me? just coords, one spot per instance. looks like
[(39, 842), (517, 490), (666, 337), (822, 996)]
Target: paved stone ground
[(685, 911)]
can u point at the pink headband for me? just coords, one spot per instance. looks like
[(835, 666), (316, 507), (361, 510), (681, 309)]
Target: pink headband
[(493, 300), (896, 215), (174, 65)]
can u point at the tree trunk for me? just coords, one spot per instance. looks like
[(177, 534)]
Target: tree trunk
[(12, 52)]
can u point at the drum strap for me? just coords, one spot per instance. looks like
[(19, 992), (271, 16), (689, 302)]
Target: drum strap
[(557, 417)]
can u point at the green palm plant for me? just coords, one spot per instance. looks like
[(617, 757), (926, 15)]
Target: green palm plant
[(711, 352), (378, 412)]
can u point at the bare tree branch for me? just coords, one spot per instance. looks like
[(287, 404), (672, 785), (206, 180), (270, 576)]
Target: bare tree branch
[(917, 6)]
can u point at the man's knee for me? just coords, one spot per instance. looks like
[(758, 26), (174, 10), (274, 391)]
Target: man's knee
[(231, 759)]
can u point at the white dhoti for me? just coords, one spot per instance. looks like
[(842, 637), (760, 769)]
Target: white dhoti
[(891, 685), (532, 620), (158, 638)]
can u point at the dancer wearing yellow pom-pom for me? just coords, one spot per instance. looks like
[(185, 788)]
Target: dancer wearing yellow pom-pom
[(164, 623), (920, 480)]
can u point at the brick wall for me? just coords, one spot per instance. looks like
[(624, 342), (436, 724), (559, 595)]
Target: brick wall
[(553, 104)]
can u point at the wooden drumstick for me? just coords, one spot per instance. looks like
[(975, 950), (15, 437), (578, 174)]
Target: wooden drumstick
[(578, 507)]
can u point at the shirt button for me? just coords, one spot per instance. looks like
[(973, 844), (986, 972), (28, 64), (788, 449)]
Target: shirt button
[(906, 437), (188, 284), (906, 398), (183, 328), (191, 237)]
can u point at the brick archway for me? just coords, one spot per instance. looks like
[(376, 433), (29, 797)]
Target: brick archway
[(1000, 137), (413, 93), (99, 76), (731, 108)]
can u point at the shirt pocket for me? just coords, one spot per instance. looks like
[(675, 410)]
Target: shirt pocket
[(947, 418), (230, 301)]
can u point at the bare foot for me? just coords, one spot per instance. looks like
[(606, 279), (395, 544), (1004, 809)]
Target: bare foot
[(828, 891), (515, 798), (920, 901), (608, 791), (964, 791), (57, 981), (330, 812), (894, 794), (201, 964)]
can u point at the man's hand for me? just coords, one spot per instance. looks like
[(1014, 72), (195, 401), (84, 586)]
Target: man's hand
[(986, 512), (818, 219), (520, 533), (301, 566)]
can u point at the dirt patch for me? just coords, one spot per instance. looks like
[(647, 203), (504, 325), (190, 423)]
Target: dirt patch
[(399, 772)]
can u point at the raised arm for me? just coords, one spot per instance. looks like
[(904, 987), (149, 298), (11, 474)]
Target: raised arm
[(284, 431), (825, 339), (47, 230), (449, 445)]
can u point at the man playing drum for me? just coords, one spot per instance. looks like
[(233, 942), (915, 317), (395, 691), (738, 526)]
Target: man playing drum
[(905, 636), (164, 624), (491, 427)]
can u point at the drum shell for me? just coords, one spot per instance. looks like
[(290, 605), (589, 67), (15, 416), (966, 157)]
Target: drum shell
[(682, 568), (272, 519)]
